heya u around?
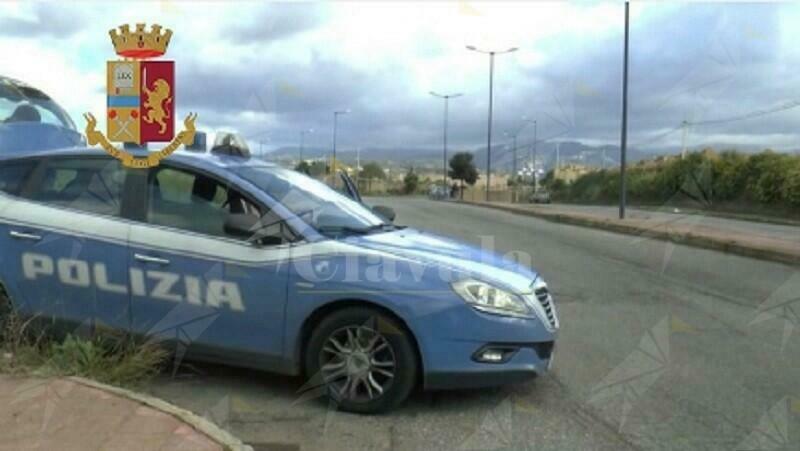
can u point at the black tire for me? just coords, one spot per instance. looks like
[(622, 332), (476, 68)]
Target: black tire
[(376, 332)]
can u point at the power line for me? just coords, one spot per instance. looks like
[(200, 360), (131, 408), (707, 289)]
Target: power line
[(751, 115), (658, 137), (531, 143)]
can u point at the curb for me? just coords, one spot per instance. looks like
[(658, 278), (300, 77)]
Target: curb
[(685, 238), (219, 435)]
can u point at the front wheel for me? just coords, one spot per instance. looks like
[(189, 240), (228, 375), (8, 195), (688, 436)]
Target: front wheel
[(364, 359)]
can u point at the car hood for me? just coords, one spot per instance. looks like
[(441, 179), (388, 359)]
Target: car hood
[(430, 249)]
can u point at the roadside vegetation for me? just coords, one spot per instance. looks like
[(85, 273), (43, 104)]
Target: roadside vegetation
[(762, 183), (27, 347)]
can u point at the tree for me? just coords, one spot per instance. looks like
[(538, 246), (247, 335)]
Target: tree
[(410, 182), (463, 169), (372, 170), (318, 168), (303, 167)]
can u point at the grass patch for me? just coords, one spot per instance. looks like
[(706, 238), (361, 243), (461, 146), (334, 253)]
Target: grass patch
[(26, 347)]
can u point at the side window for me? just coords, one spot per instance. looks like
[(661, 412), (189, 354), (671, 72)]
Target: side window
[(195, 202), (93, 185), (13, 175)]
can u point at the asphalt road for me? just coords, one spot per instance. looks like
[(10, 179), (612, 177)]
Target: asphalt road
[(662, 347)]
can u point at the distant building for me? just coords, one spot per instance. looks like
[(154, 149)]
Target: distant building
[(571, 172)]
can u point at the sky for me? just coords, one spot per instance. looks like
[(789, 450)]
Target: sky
[(270, 70)]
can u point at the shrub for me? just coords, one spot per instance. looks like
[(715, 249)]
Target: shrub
[(705, 177), (791, 187)]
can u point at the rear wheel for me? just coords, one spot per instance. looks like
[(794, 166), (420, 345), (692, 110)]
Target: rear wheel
[(364, 359)]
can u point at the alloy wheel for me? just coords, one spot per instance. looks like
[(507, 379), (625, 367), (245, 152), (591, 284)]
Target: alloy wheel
[(357, 363)]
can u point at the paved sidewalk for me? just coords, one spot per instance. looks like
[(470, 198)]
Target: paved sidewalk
[(63, 414), (764, 241)]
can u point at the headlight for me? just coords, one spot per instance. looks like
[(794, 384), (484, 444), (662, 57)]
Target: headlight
[(491, 299)]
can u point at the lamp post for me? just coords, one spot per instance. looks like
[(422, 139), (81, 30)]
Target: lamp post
[(533, 158), (624, 134), (446, 98), (335, 126), (302, 140), (491, 54), (514, 134)]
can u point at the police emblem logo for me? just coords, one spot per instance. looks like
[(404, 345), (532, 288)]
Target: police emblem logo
[(140, 97)]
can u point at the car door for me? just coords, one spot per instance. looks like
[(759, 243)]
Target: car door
[(65, 242), (217, 296)]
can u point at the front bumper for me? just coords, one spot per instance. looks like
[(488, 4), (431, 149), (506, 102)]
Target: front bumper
[(451, 351), (527, 360)]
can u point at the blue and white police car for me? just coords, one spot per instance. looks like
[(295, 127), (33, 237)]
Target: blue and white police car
[(254, 265)]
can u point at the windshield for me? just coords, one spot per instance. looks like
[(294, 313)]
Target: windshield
[(22, 103), (314, 202)]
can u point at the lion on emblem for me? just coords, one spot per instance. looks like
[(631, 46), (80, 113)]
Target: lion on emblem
[(157, 101)]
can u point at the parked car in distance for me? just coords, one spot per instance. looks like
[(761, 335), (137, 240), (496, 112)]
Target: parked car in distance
[(438, 192), (541, 196)]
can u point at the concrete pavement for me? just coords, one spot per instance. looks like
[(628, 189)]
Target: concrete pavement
[(63, 414), (662, 346)]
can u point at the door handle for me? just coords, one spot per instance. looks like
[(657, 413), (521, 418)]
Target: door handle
[(24, 236), (148, 259)]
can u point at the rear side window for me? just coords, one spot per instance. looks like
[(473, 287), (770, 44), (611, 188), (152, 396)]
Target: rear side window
[(90, 185), (13, 175)]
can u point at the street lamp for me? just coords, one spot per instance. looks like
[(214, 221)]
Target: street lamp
[(533, 158), (335, 125), (491, 54), (446, 98), (514, 134), (302, 140)]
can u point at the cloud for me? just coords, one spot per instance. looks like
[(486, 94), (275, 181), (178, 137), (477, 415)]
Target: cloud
[(275, 21), (272, 70), (43, 19)]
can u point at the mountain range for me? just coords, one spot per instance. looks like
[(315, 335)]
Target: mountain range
[(567, 152)]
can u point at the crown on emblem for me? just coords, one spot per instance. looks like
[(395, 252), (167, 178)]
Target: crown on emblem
[(140, 43)]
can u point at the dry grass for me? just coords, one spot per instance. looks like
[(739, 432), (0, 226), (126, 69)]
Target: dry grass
[(26, 347)]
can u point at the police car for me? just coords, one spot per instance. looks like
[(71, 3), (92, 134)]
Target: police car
[(254, 265)]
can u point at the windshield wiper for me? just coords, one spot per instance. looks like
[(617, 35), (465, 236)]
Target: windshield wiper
[(345, 229), (358, 230)]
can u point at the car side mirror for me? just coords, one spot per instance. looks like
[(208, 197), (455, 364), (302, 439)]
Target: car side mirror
[(241, 225), (385, 212)]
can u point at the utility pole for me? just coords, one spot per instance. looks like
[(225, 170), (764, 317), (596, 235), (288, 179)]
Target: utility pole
[(358, 166), (558, 159), (489, 133), (514, 134), (533, 158), (685, 126), (624, 134), (446, 98), (491, 54), (302, 141), (514, 163), (335, 125)]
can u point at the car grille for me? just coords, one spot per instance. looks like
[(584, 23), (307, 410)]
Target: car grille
[(543, 295)]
